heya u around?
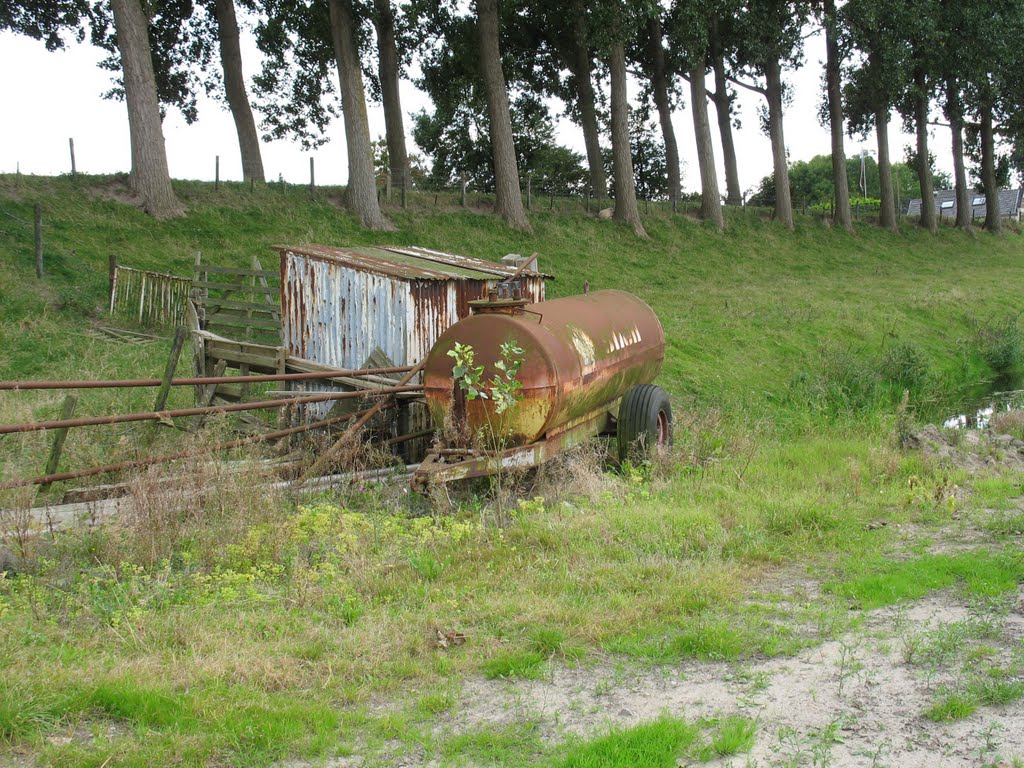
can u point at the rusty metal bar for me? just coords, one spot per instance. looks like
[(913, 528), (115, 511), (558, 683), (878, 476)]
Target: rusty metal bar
[(328, 455), (90, 421), (410, 436), (255, 379), (522, 267), (134, 463)]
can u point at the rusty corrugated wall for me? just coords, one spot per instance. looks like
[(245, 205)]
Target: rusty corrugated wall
[(336, 312)]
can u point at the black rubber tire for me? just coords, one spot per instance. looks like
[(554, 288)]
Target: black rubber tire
[(645, 422)]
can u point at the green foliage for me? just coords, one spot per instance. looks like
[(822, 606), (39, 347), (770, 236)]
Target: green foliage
[(502, 388), (905, 365), (810, 183), (505, 385), (466, 372), (455, 139), (1001, 344), (650, 166)]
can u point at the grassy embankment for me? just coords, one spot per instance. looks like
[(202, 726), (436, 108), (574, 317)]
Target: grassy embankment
[(240, 628)]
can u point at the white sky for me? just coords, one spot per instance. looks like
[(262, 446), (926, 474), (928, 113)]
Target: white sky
[(51, 97)]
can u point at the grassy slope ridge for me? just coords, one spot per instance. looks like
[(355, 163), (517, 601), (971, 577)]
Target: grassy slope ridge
[(255, 631), (744, 311)]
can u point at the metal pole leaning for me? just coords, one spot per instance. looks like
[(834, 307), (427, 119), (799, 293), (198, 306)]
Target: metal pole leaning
[(90, 421), (135, 463), (190, 382), (329, 454)]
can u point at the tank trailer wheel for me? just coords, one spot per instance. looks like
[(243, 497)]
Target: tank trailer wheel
[(645, 422)]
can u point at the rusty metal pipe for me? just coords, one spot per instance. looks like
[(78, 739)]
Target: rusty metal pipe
[(360, 422), (256, 379), (410, 436), (135, 463), (90, 421)]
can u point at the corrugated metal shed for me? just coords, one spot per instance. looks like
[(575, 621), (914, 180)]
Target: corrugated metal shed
[(339, 304)]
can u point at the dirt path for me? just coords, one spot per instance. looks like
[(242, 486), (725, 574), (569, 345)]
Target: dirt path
[(856, 701)]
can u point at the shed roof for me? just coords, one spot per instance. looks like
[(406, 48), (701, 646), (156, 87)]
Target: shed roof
[(408, 263)]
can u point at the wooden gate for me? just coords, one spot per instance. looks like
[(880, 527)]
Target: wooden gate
[(242, 304)]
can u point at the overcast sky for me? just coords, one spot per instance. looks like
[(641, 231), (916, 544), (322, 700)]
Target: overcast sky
[(54, 96)]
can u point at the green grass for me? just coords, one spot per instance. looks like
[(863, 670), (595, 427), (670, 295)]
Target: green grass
[(526, 665), (732, 735), (876, 582), (25, 713), (243, 629), (507, 745), (657, 744)]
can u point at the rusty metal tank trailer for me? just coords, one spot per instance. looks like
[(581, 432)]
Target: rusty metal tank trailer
[(588, 364)]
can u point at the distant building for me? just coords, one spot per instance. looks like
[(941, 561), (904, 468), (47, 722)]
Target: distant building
[(1010, 201)]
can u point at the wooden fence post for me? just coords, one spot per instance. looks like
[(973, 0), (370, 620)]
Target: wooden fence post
[(74, 170), (387, 185), (59, 436), (216, 173), (39, 240), (112, 277), (172, 365), (464, 182), (312, 174), (529, 191)]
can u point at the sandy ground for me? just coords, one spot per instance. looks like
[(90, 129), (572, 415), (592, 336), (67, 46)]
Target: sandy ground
[(850, 702), (857, 700)]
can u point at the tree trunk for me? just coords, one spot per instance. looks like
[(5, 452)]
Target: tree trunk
[(149, 177), (581, 67), (234, 87), (954, 112), (840, 184), (361, 194), (710, 198), (388, 71), (887, 210), (723, 107), (659, 82), (622, 159), (773, 88), (993, 221), (924, 171), (508, 198)]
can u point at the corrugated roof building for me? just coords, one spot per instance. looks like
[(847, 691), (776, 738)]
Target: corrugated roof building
[(340, 304), (1010, 201)]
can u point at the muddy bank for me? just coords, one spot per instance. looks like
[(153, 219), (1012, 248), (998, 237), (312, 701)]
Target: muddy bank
[(970, 449)]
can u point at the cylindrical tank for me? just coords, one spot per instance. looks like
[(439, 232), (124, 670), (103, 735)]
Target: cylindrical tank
[(579, 354)]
